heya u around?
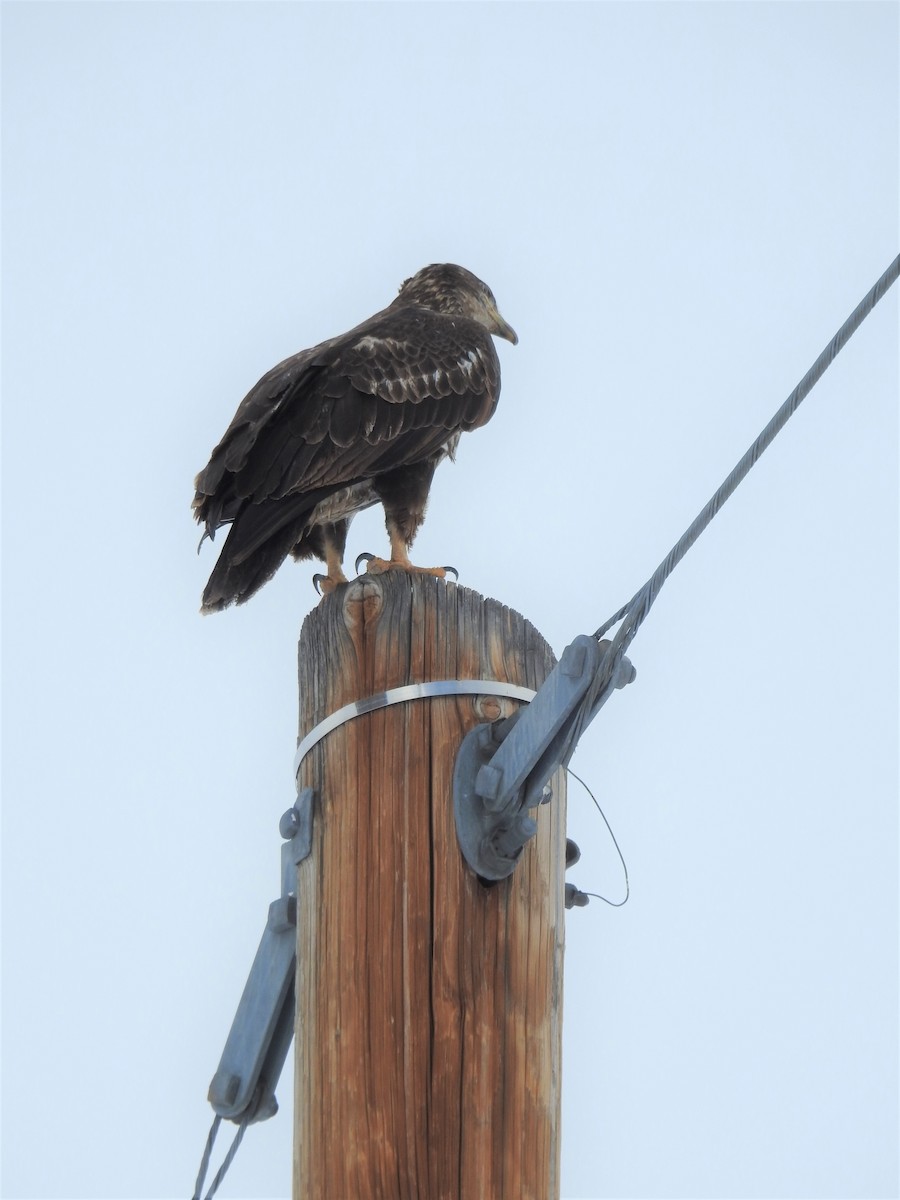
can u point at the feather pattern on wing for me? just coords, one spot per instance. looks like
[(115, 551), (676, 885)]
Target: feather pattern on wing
[(388, 396)]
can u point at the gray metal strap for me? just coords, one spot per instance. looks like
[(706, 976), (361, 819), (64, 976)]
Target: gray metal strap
[(400, 695)]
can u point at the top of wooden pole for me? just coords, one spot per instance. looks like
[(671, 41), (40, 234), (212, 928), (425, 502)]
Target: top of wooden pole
[(429, 1005), (395, 629)]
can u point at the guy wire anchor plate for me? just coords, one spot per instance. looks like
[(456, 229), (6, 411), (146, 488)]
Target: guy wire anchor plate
[(243, 1087), (502, 768)]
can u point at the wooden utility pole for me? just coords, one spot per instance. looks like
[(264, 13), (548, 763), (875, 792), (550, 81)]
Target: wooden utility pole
[(429, 1006)]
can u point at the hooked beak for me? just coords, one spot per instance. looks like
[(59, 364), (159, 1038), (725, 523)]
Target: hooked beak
[(501, 329)]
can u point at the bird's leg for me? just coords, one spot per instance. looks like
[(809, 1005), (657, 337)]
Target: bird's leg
[(334, 556), (399, 560)]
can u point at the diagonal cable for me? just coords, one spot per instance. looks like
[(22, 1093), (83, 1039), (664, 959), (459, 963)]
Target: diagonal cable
[(226, 1161), (639, 605), (633, 613)]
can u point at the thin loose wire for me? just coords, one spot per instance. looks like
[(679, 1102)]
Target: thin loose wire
[(596, 895)]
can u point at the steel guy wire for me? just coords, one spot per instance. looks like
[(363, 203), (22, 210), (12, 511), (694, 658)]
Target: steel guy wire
[(633, 613)]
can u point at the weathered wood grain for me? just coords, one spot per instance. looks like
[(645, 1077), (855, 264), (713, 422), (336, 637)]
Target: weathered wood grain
[(429, 1006)]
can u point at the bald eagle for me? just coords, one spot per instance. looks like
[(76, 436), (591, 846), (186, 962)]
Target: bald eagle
[(361, 419)]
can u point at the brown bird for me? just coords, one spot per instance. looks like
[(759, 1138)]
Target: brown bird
[(361, 419)]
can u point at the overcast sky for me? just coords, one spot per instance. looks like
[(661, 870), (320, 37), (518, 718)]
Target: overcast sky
[(676, 206)]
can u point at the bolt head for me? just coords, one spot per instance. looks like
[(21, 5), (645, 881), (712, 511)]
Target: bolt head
[(488, 781), (224, 1088), (572, 662), (289, 824), (573, 854)]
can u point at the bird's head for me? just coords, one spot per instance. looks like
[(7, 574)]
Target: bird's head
[(447, 288)]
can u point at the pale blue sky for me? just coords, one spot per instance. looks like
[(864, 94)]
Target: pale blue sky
[(676, 206)]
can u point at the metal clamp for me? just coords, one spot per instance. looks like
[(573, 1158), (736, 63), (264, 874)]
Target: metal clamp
[(243, 1087), (503, 768), (400, 695)]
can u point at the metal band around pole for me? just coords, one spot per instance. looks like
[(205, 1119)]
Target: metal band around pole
[(399, 695)]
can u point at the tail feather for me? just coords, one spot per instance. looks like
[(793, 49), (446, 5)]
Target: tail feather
[(261, 537), (256, 546)]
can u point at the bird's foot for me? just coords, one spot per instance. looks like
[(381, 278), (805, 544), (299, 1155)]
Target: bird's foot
[(378, 566), (326, 584)]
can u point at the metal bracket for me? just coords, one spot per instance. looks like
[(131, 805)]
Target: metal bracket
[(243, 1087), (502, 769)]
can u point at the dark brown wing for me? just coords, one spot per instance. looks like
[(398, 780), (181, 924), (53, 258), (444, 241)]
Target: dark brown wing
[(387, 394)]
